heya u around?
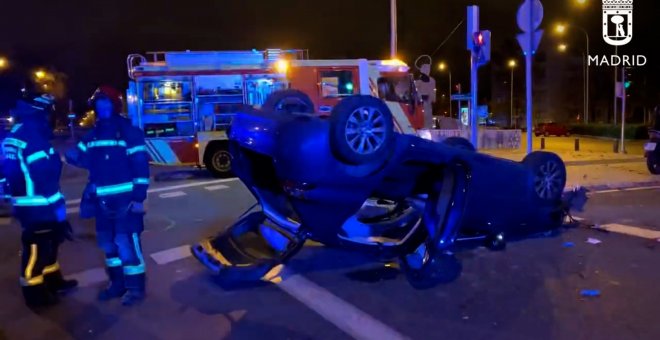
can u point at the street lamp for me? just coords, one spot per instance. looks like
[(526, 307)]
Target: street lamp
[(442, 67), (512, 65), (562, 47), (40, 74), (560, 29), (4, 63), (581, 2)]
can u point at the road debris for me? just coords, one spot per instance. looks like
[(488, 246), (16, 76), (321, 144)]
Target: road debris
[(590, 292), (592, 240)]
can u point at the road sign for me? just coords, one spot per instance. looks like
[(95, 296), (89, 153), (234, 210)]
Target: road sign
[(530, 15), (461, 97), (524, 13), (523, 40)]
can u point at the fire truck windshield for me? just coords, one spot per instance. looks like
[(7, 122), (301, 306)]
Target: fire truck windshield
[(399, 88)]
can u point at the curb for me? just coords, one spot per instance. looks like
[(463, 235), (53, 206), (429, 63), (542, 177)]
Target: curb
[(619, 186)]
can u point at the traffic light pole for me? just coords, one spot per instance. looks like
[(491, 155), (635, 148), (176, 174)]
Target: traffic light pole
[(474, 116)]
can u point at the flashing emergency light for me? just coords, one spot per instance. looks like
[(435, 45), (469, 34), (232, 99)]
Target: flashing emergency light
[(393, 62), (281, 66)]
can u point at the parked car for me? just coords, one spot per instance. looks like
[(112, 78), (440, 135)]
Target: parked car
[(314, 178), (551, 129)]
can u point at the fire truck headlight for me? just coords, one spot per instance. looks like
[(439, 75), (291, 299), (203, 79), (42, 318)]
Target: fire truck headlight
[(281, 66)]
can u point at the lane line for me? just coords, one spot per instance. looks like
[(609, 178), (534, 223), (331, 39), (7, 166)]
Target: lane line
[(171, 255), (340, 313), (217, 187), (172, 194), (173, 187), (632, 231), (625, 189)]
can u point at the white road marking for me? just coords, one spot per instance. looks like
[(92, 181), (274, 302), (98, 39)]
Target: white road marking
[(632, 231), (340, 313), (172, 194), (624, 190), (216, 187), (174, 187), (72, 210), (171, 255), (90, 277)]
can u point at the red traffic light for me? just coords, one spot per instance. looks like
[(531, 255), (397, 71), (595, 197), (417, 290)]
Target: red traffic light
[(480, 39)]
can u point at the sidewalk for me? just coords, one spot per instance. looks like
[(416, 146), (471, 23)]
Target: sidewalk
[(597, 170)]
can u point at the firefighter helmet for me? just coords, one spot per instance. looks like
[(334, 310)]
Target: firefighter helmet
[(15, 87), (110, 93)]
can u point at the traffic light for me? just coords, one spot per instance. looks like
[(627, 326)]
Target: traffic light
[(627, 84), (482, 46)]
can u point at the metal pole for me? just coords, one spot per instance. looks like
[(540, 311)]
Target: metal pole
[(528, 76), (528, 83), (393, 31), (584, 89), (450, 115), (474, 119), (615, 79), (587, 81), (623, 110), (511, 113)]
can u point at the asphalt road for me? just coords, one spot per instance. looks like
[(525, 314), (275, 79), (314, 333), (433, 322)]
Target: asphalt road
[(531, 290)]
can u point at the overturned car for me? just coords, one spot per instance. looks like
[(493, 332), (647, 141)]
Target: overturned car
[(349, 180)]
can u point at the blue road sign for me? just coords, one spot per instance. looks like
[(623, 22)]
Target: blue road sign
[(461, 97)]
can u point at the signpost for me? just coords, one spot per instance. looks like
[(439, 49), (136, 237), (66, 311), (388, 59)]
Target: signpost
[(530, 15), (71, 117), (478, 43)]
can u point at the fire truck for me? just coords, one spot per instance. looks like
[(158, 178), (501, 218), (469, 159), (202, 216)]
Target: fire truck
[(185, 101)]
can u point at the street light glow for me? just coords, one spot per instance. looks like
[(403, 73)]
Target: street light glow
[(442, 66), (560, 28), (512, 63), (581, 2), (40, 74), (562, 47), (3, 63)]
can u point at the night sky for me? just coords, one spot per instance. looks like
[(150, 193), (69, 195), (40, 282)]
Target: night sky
[(89, 40)]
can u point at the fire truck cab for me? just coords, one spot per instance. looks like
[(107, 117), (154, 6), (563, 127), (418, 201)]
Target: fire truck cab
[(185, 101)]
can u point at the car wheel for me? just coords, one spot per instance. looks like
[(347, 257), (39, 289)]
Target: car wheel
[(430, 271), (361, 130), (288, 101), (653, 163), (549, 175), (460, 143), (219, 162)]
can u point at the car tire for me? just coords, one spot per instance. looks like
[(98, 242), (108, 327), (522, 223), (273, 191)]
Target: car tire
[(548, 175), (653, 163), (438, 269), (361, 130), (218, 161), (288, 101), (460, 143)]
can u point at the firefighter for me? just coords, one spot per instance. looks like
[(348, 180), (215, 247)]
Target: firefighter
[(114, 153), (32, 169), (426, 87)]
